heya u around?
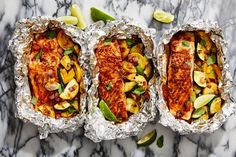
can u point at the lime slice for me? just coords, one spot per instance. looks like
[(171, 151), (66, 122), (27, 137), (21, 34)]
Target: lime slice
[(147, 139), (68, 19), (199, 112), (163, 16), (98, 15), (76, 12), (203, 100), (106, 111), (215, 105)]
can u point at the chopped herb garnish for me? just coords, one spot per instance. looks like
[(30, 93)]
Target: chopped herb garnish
[(68, 51), (185, 43), (39, 54), (160, 141), (71, 110), (34, 100), (138, 91), (107, 41), (60, 89), (51, 34), (203, 42), (60, 79), (211, 60), (189, 63), (109, 86), (129, 41)]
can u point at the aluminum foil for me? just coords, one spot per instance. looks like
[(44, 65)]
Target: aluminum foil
[(97, 128), (21, 44), (183, 127)]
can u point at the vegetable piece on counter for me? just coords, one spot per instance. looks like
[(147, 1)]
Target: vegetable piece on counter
[(203, 100), (199, 78), (147, 139), (106, 111), (68, 19), (76, 12), (160, 141), (132, 106), (163, 16), (62, 105), (215, 105), (98, 15), (71, 90)]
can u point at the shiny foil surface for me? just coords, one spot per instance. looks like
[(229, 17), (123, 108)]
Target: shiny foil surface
[(166, 118), (20, 44), (97, 128)]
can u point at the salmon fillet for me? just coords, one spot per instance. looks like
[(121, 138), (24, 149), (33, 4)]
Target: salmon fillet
[(179, 85), (109, 63)]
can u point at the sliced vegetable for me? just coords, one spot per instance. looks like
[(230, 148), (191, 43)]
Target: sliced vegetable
[(47, 110), (131, 77), (199, 78), (211, 88), (193, 96), (128, 67), (68, 19), (142, 61), (124, 49), (98, 15), (60, 89), (71, 90), (129, 41), (201, 51), (62, 105), (52, 85), (163, 16), (148, 70), (138, 91), (129, 86), (64, 40), (66, 77), (77, 50), (203, 100), (147, 139), (76, 12), (78, 71), (71, 110), (106, 111), (199, 112), (196, 89), (205, 40), (215, 105), (66, 114), (68, 51), (211, 60), (137, 48), (217, 71), (75, 104), (160, 141), (66, 62), (139, 70), (185, 43), (141, 81), (131, 106)]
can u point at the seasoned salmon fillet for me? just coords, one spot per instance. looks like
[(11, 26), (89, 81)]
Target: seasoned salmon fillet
[(110, 73), (179, 84)]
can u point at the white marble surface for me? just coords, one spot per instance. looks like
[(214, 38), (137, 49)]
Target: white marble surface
[(21, 139)]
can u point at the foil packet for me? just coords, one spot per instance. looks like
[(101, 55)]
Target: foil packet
[(225, 86), (97, 128), (21, 44)]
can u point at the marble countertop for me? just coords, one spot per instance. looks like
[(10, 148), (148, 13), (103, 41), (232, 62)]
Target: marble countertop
[(21, 139)]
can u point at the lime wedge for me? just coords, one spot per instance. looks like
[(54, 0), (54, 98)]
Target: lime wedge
[(106, 111), (98, 15), (147, 139), (215, 105), (68, 19), (203, 100), (76, 12), (163, 16)]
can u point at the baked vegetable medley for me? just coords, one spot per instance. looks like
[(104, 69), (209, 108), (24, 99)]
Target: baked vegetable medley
[(193, 74), (124, 72), (54, 74)]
